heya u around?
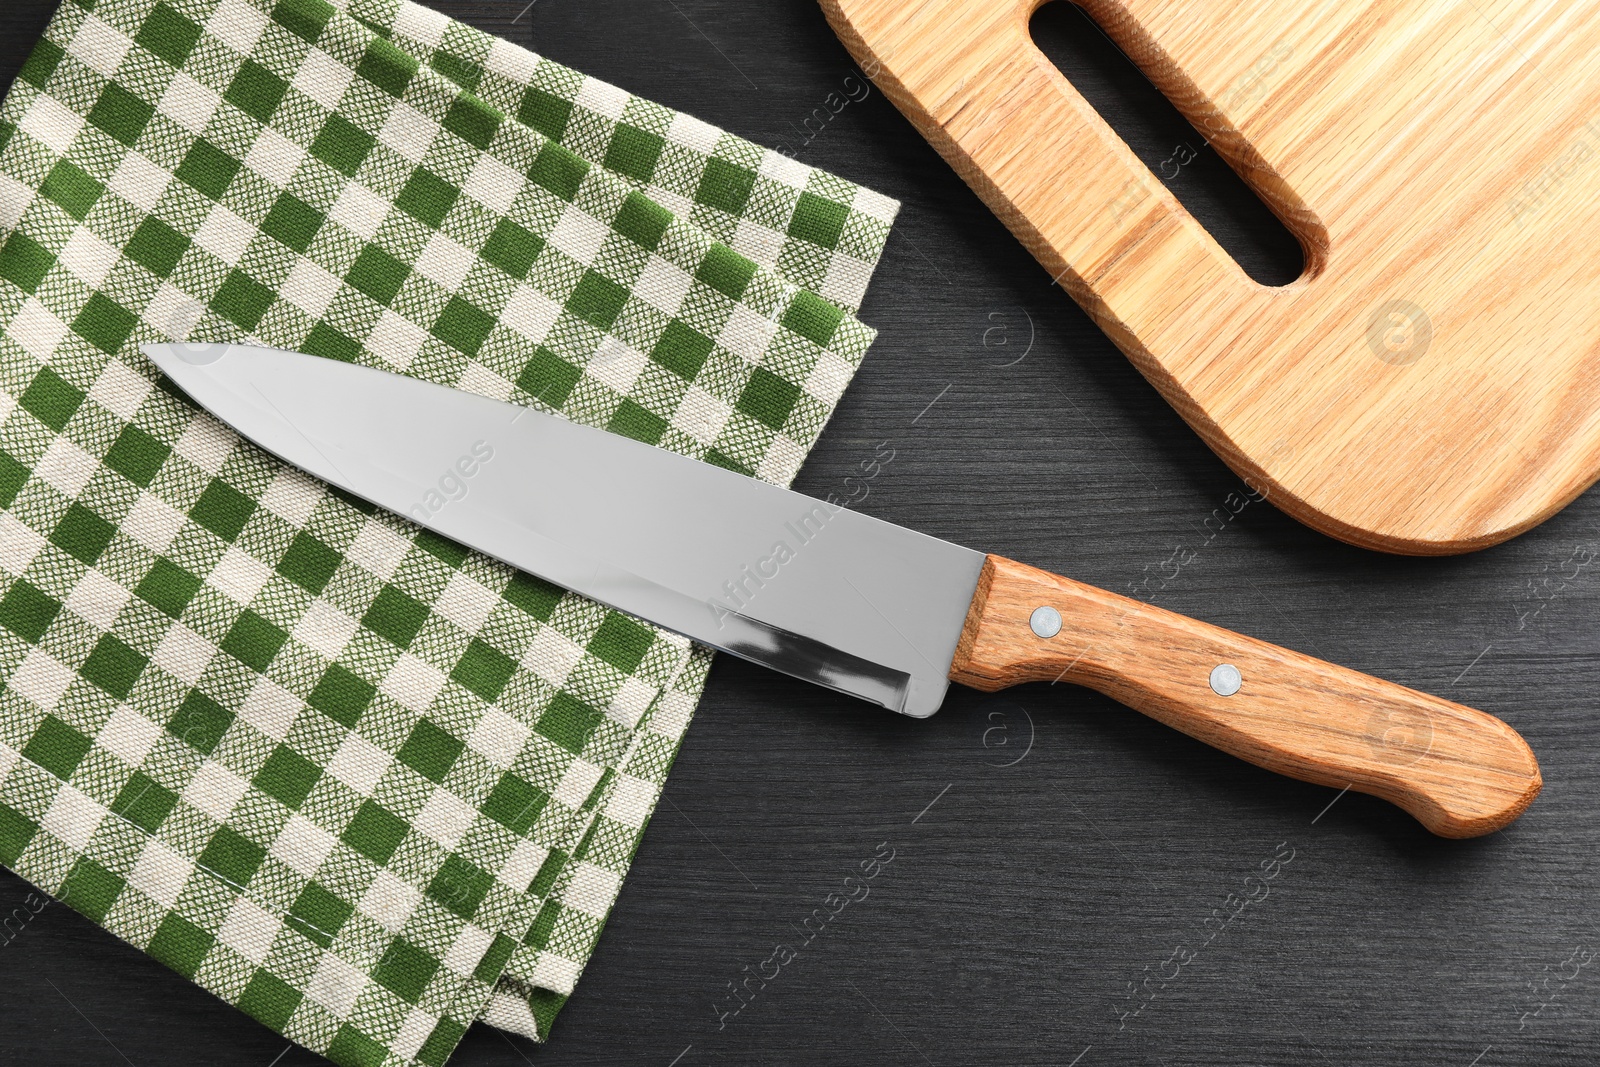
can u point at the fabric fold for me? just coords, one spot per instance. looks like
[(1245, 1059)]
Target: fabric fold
[(355, 779)]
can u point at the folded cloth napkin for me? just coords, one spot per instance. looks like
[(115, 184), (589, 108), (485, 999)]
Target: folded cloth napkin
[(353, 778)]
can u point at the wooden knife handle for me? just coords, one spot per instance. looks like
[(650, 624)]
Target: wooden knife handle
[(1461, 772)]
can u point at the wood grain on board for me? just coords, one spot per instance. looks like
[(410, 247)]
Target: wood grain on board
[(1429, 385)]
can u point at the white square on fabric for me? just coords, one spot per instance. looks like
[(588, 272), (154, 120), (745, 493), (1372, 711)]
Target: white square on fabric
[(747, 333), (239, 575), (41, 679), (207, 444), (873, 203), (466, 601), (413, 683), (183, 653), (188, 103), (755, 241), (445, 818), (309, 287), (66, 466), (173, 312), (323, 78), (631, 702), (153, 523), (50, 122), (467, 951), (225, 235), (378, 549), (530, 313), (602, 98), (828, 378), (499, 738), (14, 200), (481, 380), (359, 764), (552, 656), (249, 930), (409, 132), (445, 261), (336, 985), (631, 800), (37, 330), (73, 817), (215, 790), (274, 157), (128, 735), (577, 783), (270, 708), (120, 389), (701, 415), (292, 495), (160, 873), (396, 339), (421, 24), (592, 890), (360, 210), (511, 61), (663, 285), (238, 25), (325, 628), (418, 1027), (580, 235), (616, 365), (100, 47), (785, 170), (139, 181), (556, 973), (493, 184), (523, 866), (389, 901), (302, 846), (97, 599), (692, 133)]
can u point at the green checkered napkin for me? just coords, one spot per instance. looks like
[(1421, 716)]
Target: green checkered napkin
[(355, 779)]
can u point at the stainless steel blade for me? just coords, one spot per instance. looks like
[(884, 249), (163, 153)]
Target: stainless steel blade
[(816, 591)]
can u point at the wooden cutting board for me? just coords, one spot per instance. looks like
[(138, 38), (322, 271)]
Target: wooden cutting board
[(1430, 384)]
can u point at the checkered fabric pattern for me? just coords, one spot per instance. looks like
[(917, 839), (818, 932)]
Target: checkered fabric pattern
[(351, 777)]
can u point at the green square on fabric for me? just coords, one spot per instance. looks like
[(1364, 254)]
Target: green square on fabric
[(319, 914), (208, 168), (597, 300), (120, 114), (13, 476), (232, 856), (104, 323), (538, 935), (51, 399), (813, 318), (559, 171), (818, 220), (293, 222), (446, 1035), (396, 616), (70, 186), (484, 669), (642, 221), (726, 271), (548, 377), (90, 889), (569, 722), (442, 549), (351, 1048), (200, 722), (269, 1000), (378, 274), (309, 563), (343, 145), (168, 587), (16, 830), (168, 34), (463, 326), (113, 666), (329, 343), (725, 185), (28, 612), (242, 300), (494, 961), (460, 886), (303, 18), (621, 642), (82, 534), (633, 152), (430, 751), (472, 120), (534, 596), (180, 944), (375, 832), (24, 262), (427, 197), (638, 422), (464, 72), (512, 249), (222, 509), (254, 641), (515, 803), (342, 696), (41, 63), (682, 349), (256, 91), (157, 247), (287, 777), (144, 802), (405, 970), (768, 398), (56, 747), (387, 67), (717, 458), (137, 455), (545, 112)]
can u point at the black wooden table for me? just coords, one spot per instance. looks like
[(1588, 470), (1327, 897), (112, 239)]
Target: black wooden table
[(1059, 862)]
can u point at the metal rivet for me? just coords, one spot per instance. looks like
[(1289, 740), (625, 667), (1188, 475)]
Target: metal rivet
[(1045, 622), (1226, 679)]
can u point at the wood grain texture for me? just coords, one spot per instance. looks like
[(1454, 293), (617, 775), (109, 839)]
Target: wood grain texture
[(1460, 772), (1429, 385)]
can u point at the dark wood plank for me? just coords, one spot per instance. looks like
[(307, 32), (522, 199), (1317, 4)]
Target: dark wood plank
[(1023, 902)]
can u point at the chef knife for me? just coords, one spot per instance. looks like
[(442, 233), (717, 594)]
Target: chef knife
[(836, 597)]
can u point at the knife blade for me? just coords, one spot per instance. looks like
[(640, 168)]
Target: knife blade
[(833, 596)]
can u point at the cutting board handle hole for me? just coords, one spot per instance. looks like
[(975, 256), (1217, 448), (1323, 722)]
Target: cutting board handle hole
[(1173, 149)]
